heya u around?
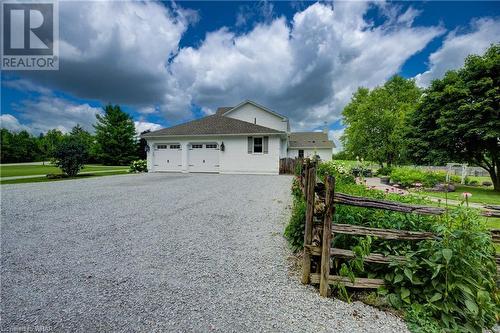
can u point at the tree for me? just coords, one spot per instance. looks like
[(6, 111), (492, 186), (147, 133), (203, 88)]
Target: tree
[(141, 147), (70, 155), (48, 142), (115, 136), (458, 118), (376, 121), (88, 139), (6, 146)]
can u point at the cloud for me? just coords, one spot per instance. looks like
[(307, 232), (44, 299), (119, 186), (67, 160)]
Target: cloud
[(335, 135), (47, 112), (456, 47), (141, 126), (11, 123), (307, 69), (118, 52)]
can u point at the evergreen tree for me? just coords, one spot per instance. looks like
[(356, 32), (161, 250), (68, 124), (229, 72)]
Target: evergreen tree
[(115, 137)]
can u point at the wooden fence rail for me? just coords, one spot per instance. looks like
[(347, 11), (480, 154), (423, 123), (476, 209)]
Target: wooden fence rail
[(318, 233)]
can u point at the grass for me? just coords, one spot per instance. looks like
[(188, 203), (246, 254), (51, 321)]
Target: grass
[(45, 179), (28, 170), (481, 195)]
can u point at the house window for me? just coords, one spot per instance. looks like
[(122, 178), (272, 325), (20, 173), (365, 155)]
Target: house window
[(161, 146), (211, 145), (175, 146), (196, 146), (301, 153), (257, 145)]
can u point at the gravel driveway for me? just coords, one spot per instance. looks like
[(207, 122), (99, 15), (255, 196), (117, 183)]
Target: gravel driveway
[(160, 252)]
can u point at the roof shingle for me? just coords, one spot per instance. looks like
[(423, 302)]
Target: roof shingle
[(214, 124), (309, 140)]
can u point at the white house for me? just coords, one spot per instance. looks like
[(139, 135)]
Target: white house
[(246, 138)]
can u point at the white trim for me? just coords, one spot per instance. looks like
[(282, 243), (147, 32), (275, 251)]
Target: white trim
[(202, 135), (253, 145), (257, 105)]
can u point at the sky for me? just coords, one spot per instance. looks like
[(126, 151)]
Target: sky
[(169, 62)]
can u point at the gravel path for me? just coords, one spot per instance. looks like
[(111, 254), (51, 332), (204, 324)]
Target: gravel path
[(160, 252)]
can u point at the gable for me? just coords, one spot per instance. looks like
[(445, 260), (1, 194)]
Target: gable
[(253, 113)]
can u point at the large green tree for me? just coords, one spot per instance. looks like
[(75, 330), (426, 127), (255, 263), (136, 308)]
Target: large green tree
[(115, 137), (375, 121), (48, 142), (458, 118)]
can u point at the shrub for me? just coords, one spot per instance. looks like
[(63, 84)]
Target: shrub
[(452, 278), (70, 155), (139, 166), (298, 169), (384, 171), (445, 285), (408, 176), (294, 231), (339, 170)]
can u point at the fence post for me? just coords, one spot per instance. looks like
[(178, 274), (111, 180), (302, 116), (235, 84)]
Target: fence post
[(309, 194), (327, 235)]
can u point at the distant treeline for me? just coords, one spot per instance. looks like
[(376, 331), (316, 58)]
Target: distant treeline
[(113, 143)]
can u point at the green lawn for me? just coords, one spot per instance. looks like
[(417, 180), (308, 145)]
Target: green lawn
[(27, 170), (45, 179), (480, 194)]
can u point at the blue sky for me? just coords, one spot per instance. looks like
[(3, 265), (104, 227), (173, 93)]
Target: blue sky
[(165, 63)]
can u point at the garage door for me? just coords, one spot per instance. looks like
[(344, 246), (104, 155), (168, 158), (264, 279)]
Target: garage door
[(168, 157), (203, 157)]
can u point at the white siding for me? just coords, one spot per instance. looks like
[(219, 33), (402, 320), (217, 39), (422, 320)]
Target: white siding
[(252, 114), (234, 158), (324, 153)]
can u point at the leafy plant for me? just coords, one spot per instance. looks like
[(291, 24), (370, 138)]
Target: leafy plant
[(445, 285), (407, 177), (294, 231), (70, 155), (139, 166), (333, 168)]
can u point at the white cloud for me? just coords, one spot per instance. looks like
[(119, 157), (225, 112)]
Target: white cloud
[(11, 123), (456, 47), (141, 126), (335, 135), (307, 70), (48, 112), (118, 52)]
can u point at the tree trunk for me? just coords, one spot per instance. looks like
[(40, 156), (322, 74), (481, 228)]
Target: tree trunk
[(495, 178)]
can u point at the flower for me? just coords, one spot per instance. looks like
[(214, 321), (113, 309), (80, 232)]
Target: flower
[(418, 184), (466, 195)]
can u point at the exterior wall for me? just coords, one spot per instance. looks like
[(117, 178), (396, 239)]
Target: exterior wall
[(324, 153), (235, 157), (184, 142), (249, 112)]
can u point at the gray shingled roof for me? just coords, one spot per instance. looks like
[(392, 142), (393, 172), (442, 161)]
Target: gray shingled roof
[(211, 125), (309, 140), (223, 109)]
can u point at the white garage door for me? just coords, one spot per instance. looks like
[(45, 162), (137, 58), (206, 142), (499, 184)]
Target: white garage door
[(203, 157), (167, 157)]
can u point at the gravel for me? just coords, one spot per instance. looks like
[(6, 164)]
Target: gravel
[(161, 252)]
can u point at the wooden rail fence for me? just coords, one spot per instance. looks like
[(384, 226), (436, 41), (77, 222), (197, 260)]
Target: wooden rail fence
[(318, 233), (288, 165)]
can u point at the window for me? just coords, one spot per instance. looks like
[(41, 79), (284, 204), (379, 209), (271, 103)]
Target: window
[(175, 146), (211, 145), (301, 153), (257, 145), (196, 146), (161, 146)]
